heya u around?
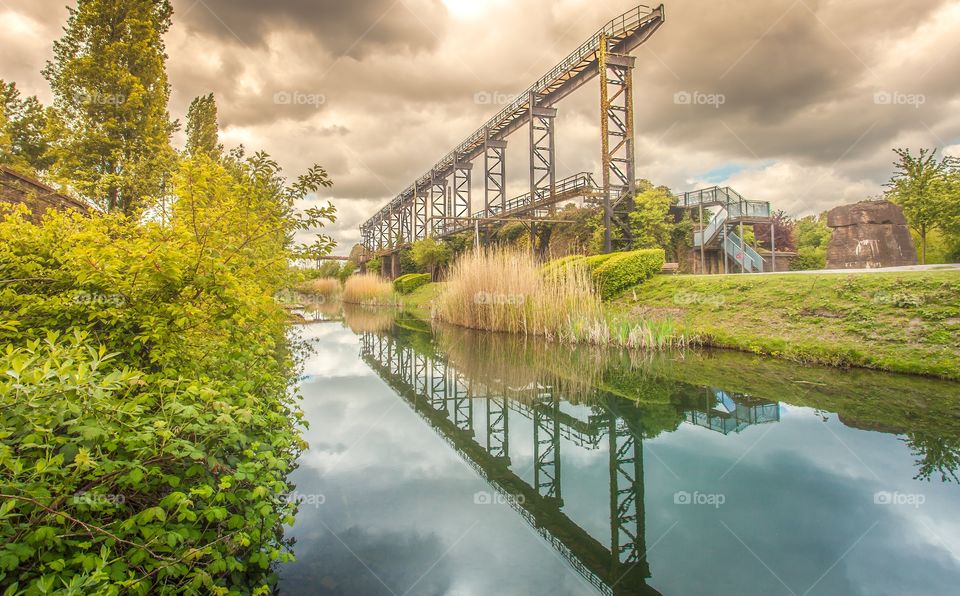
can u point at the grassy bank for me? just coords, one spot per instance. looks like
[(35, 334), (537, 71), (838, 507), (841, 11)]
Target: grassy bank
[(903, 322), (906, 322)]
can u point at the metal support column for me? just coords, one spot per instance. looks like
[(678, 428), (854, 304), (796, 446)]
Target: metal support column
[(617, 140), (498, 427), (462, 195), (543, 175), (546, 447), (495, 174), (438, 205)]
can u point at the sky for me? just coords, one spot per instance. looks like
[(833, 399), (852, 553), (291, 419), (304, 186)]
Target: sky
[(796, 102)]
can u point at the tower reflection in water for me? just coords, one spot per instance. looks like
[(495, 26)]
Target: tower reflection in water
[(471, 391)]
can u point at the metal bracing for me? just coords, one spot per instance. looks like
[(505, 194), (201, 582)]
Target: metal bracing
[(495, 175), (617, 139), (406, 223), (546, 446), (462, 195), (498, 426), (462, 402), (438, 385), (438, 205), (543, 173), (421, 215), (627, 526)]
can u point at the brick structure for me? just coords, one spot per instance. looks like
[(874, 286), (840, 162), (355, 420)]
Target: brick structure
[(869, 235), (19, 189)]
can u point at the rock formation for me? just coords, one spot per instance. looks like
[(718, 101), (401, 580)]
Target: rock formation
[(868, 235)]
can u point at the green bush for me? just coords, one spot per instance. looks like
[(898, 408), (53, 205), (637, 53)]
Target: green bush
[(406, 284), (560, 264), (623, 270), (597, 260), (147, 428)]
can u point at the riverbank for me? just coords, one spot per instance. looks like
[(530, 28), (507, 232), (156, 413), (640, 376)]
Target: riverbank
[(903, 321)]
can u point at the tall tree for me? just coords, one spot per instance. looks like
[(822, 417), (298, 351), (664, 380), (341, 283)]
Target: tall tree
[(203, 133), (110, 88), (919, 186), (651, 220), (26, 129)]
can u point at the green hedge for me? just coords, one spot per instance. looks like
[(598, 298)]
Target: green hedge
[(407, 284), (620, 271), (597, 260), (560, 264)]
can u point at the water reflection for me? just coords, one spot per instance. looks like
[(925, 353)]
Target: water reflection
[(562, 433)]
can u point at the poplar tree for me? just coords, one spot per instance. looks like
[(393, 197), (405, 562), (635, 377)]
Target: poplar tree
[(111, 92), (203, 133)]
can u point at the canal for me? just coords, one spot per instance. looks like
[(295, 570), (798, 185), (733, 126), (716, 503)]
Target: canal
[(452, 462)]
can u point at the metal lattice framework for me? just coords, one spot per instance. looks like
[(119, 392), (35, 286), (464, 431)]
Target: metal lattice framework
[(425, 208)]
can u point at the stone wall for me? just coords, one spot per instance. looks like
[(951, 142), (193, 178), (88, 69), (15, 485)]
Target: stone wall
[(18, 189), (869, 235)]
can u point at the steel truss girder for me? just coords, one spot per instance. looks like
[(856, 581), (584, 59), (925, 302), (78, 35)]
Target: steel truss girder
[(462, 403), (543, 172)]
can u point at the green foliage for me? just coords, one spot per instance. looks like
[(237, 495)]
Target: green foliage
[(651, 223), (624, 270), (812, 238), (374, 265), (203, 133), (24, 142), (430, 255), (147, 424), (597, 260), (926, 190), (346, 271), (809, 259), (110, 89), (407, 284)]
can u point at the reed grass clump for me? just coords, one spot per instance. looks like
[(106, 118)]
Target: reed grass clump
[(508, 291), (369, 289), (326, 287)]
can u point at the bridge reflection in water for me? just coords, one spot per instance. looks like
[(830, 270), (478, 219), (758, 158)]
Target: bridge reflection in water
[(474, 418)]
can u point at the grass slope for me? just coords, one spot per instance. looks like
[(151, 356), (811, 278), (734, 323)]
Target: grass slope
[(904, 321)]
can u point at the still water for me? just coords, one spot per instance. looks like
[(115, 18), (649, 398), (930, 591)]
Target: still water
[(450, 462)]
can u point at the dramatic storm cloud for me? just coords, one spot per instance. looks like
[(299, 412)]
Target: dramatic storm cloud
[(794, 101)]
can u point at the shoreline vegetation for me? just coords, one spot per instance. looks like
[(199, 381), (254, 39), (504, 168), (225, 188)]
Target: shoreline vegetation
[(899, 321), (903, 322)]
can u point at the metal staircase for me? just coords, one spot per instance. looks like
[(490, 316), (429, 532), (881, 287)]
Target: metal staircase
[(732, 209)]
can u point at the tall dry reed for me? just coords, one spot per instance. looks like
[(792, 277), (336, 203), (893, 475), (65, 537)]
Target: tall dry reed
[(505, 290), (327, 287), (369, 289)]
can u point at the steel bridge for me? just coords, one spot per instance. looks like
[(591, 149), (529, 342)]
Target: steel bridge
[(440, 202), (474, 419)]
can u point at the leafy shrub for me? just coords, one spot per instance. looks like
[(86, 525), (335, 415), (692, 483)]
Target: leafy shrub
[(406, 284), (623, 270), (597, 260), (560, 264), (146, 423)]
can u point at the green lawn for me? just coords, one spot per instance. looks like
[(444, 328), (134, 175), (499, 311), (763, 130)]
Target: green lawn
[(903, 321)]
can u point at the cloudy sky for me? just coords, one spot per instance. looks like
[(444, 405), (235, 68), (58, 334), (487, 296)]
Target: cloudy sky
[(798, 102)]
